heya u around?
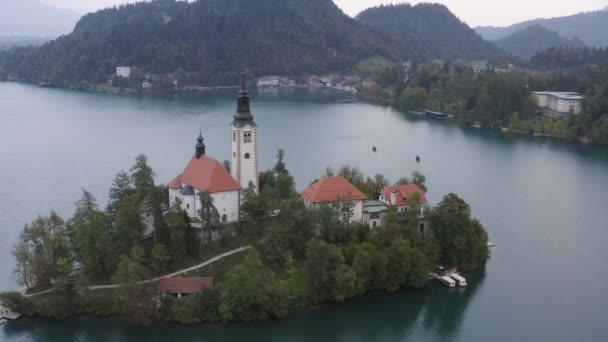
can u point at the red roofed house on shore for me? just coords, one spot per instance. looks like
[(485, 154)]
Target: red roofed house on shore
[(336, 190), (182, 287), (399, 197), (205, 174)]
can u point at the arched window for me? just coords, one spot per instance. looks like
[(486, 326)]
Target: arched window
[(224, 218), (247, 156)]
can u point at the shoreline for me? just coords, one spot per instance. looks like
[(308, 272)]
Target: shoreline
[(362, 97)]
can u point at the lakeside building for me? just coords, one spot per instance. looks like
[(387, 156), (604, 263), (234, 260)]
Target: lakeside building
[(338, 191), (559, 103), (374, 213), (269, 82), (123, 71), (183, 287), (399, 196), (206, 174)]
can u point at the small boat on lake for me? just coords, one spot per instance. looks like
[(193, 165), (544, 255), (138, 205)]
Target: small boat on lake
[(418, 111), (462, 282), (435, 115)]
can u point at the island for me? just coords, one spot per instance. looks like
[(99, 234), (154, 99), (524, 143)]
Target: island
[(224, 242)]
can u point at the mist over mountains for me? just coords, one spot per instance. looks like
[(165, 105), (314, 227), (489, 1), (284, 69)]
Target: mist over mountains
[(34, 18), (590, 27)]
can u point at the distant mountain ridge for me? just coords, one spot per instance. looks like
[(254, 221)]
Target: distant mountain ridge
[(590, 27), (34, 18), (431, 28), (527, 42)]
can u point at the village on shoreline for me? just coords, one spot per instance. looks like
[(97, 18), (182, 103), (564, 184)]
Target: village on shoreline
[(225, 242)]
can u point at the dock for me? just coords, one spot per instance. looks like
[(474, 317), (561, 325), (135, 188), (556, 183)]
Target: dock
[(6, 314)]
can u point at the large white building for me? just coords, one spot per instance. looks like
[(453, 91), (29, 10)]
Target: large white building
[(206, 174), (123, 71), (559, 102)]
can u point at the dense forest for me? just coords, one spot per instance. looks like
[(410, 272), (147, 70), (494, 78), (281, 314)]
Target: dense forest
[(561, 58), (431, 30), (501, 99), (207, 42), (527, 42), (210, 40)]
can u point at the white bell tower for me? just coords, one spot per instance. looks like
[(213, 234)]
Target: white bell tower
[(244, 167)]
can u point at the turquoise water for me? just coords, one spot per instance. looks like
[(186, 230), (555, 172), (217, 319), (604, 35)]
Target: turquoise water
[(543, 203)]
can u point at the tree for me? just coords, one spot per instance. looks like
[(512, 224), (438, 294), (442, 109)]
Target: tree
[(514, 122), (16, 302), (25, 268), (131, 271), (375, 185), (419, 179), (251, 291), (142, 176), (275, 246), (398, 264), (462, 239), (121, 186), (64, 274), (227, 165), (419, 272), (128, 227), (161, 259), (90, 236), (322, 266), (41, 244), (208, 304), (256, 206), (210, 217)]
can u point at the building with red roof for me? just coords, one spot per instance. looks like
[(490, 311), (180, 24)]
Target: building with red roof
[(182, 287), (336, 190), (400, 197), (205, 174)]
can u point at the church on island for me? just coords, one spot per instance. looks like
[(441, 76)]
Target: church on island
[(205, 174)]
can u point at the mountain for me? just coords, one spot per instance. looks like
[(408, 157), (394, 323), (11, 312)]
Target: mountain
[(429, 29), (33, 18), (527, 42), (210, 41), (590, 27)]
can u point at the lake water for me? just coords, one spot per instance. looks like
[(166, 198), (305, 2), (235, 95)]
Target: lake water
[(544, 203)]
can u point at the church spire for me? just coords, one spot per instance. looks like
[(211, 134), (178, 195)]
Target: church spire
[(200, 146), (243, 111)]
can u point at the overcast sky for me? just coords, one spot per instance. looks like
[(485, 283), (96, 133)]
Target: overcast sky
[(473, 12)]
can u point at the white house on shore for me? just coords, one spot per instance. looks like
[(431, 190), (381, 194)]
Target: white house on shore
[(123, 71), (336, 190), (558, 102), (206, 174)]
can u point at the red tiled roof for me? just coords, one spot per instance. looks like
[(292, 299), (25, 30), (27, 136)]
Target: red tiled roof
[(206, 174), (184, 285), (403, 193), (331, 189), (175, 184)]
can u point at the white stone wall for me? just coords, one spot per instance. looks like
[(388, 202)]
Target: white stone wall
[(542, 100), (226, 203), (245, 170)]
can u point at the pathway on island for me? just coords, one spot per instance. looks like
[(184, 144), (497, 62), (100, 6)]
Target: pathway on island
[(180, 272), (171, 275)]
